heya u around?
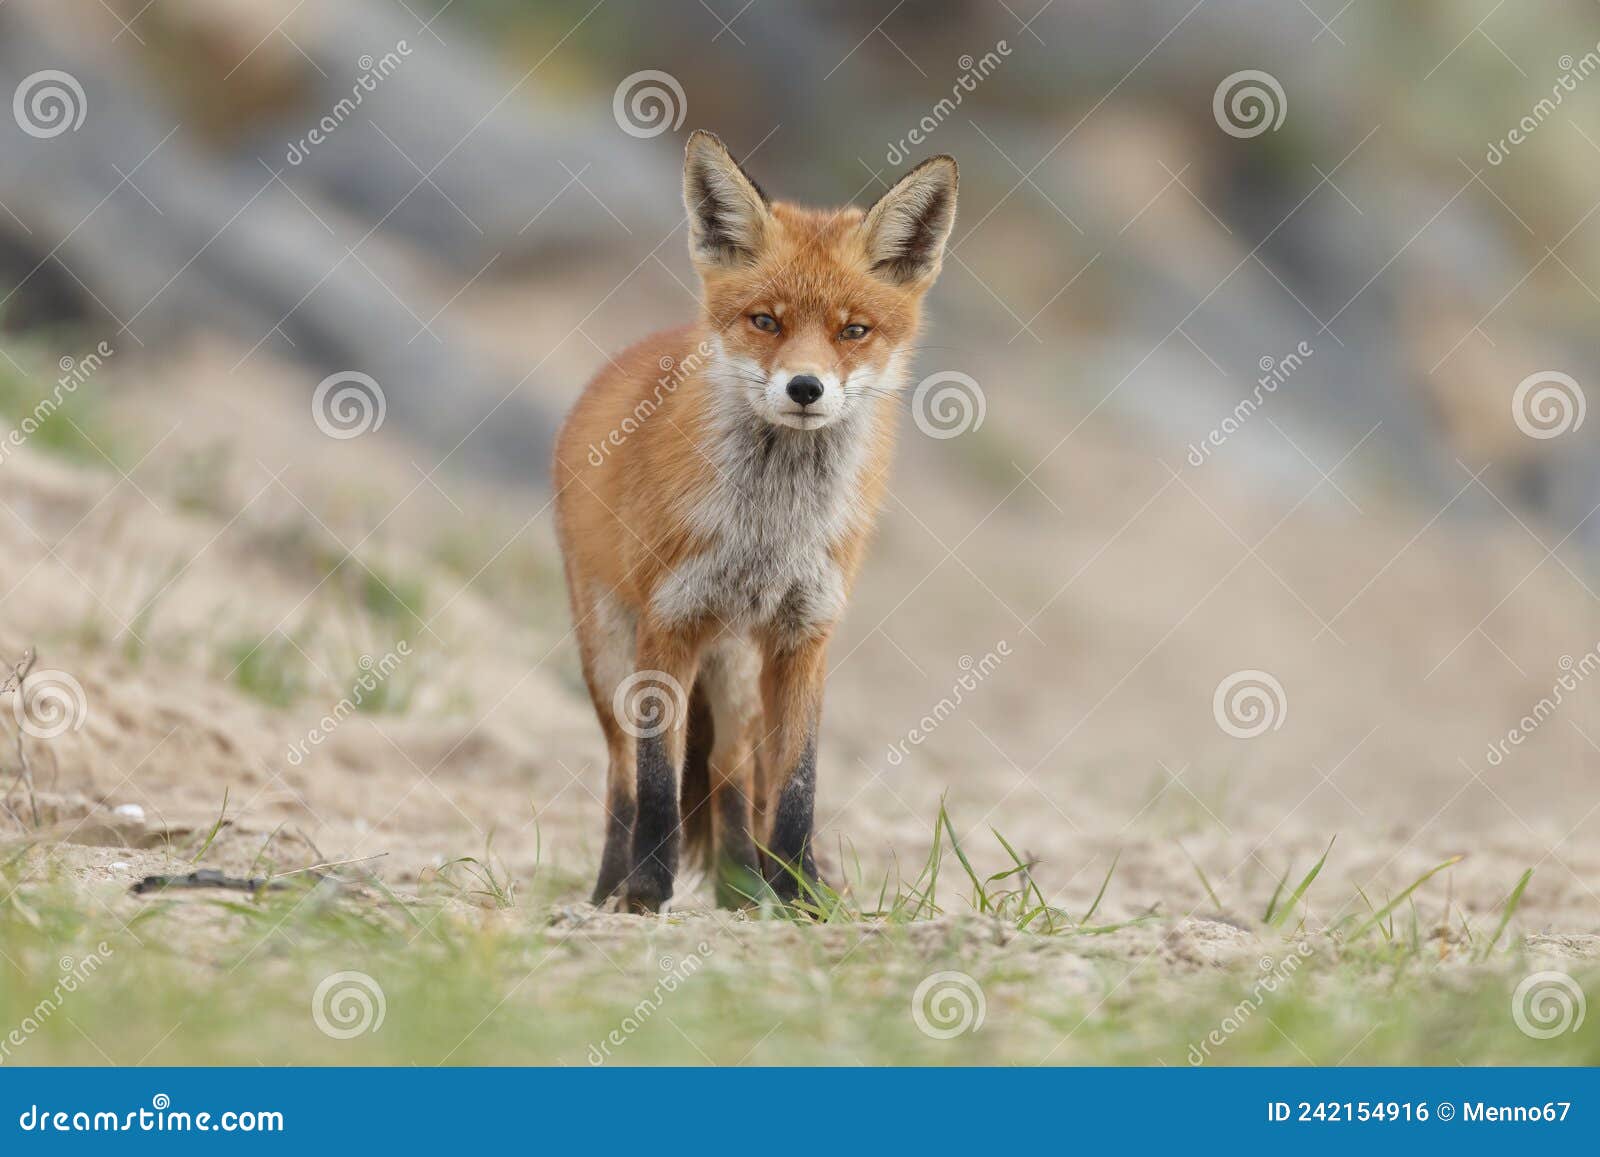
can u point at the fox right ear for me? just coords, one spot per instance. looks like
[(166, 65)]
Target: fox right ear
[(906, 229), (727, 210)]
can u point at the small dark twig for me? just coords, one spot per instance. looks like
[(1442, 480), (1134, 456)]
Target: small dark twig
[(15, 683), (19, 672), (327, 864)]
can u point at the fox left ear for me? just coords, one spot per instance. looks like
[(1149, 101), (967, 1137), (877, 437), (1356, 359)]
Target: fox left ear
[(907, 227), (727, 210)]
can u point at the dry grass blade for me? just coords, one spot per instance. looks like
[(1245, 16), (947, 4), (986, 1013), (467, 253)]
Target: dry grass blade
[(1204, 882), (1512, 902), (1282, 916), (1101, 894), (1382, 913), (211, 836)]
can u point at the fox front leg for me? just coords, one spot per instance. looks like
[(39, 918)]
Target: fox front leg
[(658, 707), (791, 691), (656, 833)]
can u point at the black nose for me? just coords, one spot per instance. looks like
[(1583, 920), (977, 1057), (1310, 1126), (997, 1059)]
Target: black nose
[(805, 388)]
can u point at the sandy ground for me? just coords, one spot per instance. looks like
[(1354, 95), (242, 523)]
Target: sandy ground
[(1116, 590)]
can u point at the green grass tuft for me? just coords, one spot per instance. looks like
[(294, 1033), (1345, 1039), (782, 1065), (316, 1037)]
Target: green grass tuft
[(271, 669)]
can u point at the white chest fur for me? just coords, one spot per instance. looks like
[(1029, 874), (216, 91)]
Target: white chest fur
[(780, 499)]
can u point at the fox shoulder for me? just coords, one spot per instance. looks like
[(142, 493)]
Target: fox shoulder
[(638, 379)]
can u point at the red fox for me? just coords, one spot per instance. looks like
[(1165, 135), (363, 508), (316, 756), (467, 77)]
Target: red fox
[(716, 486)]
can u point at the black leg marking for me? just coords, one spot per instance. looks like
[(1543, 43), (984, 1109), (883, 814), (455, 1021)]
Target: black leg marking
[(739, 881), (694, 779), (617, 857), (655, 829), (791, 828)]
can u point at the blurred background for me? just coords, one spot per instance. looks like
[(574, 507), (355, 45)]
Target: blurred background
[(1260, 360)]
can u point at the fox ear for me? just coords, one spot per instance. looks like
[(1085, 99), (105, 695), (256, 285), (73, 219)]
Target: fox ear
[(907, 227), (727, 210)]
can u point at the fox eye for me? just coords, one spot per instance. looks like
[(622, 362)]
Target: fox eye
[(764, 322), (854, 332)]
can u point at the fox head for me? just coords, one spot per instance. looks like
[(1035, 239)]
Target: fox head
[(812, 311)]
